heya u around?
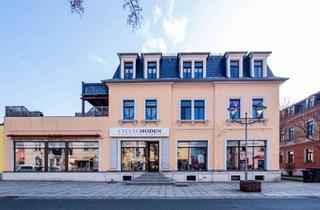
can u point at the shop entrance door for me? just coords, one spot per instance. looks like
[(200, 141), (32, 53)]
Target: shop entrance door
[(153, 156)]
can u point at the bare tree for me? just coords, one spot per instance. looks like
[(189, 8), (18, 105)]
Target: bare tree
[(134, 19), (77, 6), (303, 131)]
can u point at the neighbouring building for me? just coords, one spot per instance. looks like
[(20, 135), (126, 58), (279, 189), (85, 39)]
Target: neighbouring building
[(1, 146), (159, 113), (300, 136)]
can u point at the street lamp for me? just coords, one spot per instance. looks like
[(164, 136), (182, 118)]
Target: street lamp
[(259, 109)]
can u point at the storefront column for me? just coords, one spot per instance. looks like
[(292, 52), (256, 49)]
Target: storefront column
[(165, 144), (113, 154)]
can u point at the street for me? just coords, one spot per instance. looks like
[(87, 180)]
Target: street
[(159, 204)]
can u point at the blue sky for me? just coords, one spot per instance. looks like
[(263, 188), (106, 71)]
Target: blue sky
[(45, 51)]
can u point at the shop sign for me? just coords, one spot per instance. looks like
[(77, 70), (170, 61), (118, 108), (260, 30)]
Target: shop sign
[(139, 132)]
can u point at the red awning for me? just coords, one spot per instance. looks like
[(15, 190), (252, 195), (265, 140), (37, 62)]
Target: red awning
[(54, 135)]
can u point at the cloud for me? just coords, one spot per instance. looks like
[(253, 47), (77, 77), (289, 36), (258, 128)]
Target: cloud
[(154, 44), (97, 59), (175, 29), (157, 14)]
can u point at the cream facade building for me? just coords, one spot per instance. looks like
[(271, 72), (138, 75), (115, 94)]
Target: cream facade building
[(159, 113)]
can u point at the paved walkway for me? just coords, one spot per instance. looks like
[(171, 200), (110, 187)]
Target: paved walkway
[(73, 190)]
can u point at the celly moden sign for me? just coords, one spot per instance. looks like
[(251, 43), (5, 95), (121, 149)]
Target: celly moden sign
[(139, 132)]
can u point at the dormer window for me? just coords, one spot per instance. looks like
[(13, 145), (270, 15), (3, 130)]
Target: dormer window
[(128, 70), (234, 69), (258, 64), (193, 65), (291, 111), (152, 70), (198, 70), (310, 102), (258, 68), (187, 70), (234, 64)]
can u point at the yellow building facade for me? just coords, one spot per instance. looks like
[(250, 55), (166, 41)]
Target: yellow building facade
[(159, 113)]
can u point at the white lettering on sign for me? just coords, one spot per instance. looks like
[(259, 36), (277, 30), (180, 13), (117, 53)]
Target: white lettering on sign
[(120, 132)]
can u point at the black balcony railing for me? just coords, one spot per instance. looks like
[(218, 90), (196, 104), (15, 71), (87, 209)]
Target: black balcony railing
[(94, 89), (95, 111), (21, 111)]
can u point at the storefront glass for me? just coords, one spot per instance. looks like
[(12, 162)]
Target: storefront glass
[(56, 156), (29, 156), (236, 155), (192, 155), (133, 155)]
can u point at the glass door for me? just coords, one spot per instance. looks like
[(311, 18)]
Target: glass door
[(153, 156)]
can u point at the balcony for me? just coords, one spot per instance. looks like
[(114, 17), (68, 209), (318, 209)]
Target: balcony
[(94, 89), (21, 111), (94, 112)]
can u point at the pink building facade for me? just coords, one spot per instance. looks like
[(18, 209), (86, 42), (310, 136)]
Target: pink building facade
[(159, 113)]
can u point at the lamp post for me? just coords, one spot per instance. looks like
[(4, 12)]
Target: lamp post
[(259, 109)]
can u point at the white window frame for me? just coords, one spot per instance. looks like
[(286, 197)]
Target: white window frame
[(264, 101), (134, 109), (305, 155), (144, 109), (288, 156)]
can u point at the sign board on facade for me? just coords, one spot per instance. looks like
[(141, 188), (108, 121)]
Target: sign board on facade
[(139, 132)]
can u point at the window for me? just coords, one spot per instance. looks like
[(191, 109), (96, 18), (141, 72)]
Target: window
[(291, 111), (185, 112), (234, 69), (198, 70), (56, 156), (236, 155), (308, 155), (258, 72), (255, 102), (133, 155), (290, 157), (283, 135), (128, 109), (291, 134), (186, 70), (199, 109), (281, 157), (192, 155), (128, 70), (152, 70), (151, 110), (29, 156), (235, 102), (310, 102), (310, 128)]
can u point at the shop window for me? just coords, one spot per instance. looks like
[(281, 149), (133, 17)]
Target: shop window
[(255, 153), (192, 155), (56, 156), (29, 156), (84, 156), (133, 155)]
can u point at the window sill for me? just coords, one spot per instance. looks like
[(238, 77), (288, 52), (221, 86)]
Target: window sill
[(193, 122), (150, 121), (128, 121)]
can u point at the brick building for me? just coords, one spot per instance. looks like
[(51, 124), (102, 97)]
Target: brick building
[(300, 135)]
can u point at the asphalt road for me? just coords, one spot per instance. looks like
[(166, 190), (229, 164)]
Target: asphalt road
[(194, 204)]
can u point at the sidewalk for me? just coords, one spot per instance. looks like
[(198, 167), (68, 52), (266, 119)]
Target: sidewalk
[(99, 190)]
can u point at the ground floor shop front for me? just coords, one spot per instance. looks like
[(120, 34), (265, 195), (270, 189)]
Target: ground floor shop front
[(122, 154)]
